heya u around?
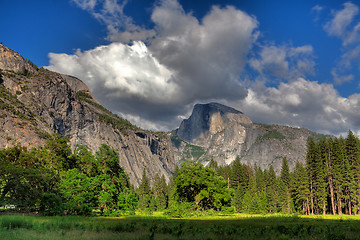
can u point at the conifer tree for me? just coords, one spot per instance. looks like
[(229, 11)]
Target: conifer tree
[(329, 155), (160, 192), (311, 156), (301, 190), (339, 159), (353, 153), (284, 188), (271, 189), (260, 180), (249, 203), (320, 183), (213, 164), (144, 192)]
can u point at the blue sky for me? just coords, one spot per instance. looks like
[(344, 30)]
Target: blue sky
[(284, 62)]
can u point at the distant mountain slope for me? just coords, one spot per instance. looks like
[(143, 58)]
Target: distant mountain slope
[(223, 133), (37, 102)]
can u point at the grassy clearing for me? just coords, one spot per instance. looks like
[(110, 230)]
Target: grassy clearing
[(237, 226)]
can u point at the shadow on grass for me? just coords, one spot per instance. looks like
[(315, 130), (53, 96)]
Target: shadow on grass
[(247, 227)]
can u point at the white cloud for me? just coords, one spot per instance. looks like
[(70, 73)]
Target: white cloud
[(187, 61), (340, 79), (344, 25), (342, 20), (208, 56), (86, 4), (120, 26), (303, 103), (119, 71), (284, 62)]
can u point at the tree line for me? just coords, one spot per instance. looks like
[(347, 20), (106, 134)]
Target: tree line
[(52, 181)]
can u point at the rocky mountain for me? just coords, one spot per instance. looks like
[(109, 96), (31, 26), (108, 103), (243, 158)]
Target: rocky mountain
[(223, 133), (37, 102)]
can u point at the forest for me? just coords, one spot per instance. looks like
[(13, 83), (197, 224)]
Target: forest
[(51, 180)]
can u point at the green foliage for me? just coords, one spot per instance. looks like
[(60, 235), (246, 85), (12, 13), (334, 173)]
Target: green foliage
[(107, 116), (83, 96), (273, 134), (24, 178), (117, 122), (51, 180), (194, 152), (51, 204), (200, 185), (333, 175), (10, 103), (32, 64), (97, 182), (42, 134)]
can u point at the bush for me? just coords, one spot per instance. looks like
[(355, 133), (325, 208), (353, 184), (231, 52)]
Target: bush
[(51, 204)]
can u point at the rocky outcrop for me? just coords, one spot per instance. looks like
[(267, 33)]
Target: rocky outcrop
[(213, 120), (215, 131), (13, 61), (40, 102)]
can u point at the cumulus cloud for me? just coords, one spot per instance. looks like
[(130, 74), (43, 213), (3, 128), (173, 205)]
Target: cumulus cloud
[(187, 61), (208, 56), (303, 103), (153, 77), (120, 71), (284, 62)]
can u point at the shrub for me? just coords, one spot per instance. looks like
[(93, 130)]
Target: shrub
[(51, 204)]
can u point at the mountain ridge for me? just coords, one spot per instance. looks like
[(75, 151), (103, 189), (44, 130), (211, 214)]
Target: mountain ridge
[(224, 133), (37, 102)]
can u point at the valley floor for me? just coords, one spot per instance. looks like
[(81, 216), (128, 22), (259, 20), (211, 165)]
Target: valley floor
[(237, 226)]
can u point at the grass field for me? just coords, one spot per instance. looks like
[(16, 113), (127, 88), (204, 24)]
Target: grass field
[(157, 227)]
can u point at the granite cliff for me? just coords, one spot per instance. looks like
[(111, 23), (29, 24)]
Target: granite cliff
[(223, 133), (37, 102)]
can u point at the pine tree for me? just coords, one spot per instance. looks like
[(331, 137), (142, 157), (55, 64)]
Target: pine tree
[(260, 180), (249, 203), (144, 192), (271, 189), (236, 172), (213, 164), (320, 182), (285, 172), (330, 172), (284, 188), (353, 152), (160, 192), (311, 156), (339, 158), (238, 198), (301, 190)]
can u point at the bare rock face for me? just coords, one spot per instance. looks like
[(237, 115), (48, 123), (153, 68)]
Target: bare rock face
[(11, 60), (215, 131), (213, 120), (38, 102), (218, 129)]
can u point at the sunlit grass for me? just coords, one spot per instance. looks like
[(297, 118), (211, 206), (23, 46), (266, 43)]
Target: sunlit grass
[(158, 226)]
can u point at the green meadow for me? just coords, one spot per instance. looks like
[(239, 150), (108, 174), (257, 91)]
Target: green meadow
[(236, 226)]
